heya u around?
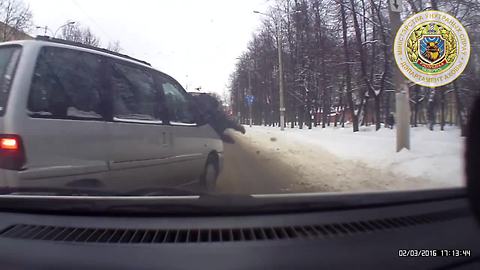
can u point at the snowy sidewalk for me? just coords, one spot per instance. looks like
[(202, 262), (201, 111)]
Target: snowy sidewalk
[(337, 159)]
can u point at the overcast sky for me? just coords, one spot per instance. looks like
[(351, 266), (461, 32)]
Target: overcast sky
[(195, 41)]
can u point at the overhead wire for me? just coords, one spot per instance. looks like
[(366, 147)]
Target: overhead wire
[(110, 39)]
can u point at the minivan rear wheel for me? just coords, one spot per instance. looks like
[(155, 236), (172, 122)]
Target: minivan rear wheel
[(208, 179)]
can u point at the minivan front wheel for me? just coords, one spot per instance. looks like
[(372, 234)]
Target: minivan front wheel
[(208, 179)]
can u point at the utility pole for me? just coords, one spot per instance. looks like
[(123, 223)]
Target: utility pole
[(45, 29), (402, 99)]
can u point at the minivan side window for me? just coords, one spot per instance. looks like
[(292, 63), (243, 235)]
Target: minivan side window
[(9, 56), (178, 105), (66, 84), (135, 96)]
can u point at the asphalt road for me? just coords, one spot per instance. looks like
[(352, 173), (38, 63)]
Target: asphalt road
[(263, 162), (248, 171)]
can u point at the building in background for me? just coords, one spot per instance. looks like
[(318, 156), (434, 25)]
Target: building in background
[(8, 33)]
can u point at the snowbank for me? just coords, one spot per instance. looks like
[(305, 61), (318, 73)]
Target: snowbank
[(435, 158)]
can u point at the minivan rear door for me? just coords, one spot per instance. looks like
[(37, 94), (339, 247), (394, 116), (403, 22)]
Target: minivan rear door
[(140, 140)]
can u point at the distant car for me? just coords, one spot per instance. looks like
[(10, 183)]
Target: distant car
[(77, 116)]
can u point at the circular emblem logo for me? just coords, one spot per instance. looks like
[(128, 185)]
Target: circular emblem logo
[(431, 48)]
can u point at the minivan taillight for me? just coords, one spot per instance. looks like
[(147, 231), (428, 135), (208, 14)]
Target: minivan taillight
[(9, 144), (12, 153)]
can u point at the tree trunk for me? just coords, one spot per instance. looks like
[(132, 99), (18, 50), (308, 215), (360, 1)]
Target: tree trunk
[(325, 112), (377, 112), (460, 113), (339, 106), (301, 116), (450, 109), (431, 109), (387, 105), (348, 78), (442, 119), (365, 112), (293, 114), (363, 57), (309, 116), (415, 108)]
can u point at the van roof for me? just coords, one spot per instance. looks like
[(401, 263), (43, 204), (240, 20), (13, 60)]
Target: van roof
[(77, 44), (46, 40)]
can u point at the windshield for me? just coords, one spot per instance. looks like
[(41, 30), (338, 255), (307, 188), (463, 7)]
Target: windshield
[(180, 98)]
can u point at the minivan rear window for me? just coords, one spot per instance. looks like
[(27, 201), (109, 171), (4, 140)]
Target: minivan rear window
[(8, 61), (67, 84)]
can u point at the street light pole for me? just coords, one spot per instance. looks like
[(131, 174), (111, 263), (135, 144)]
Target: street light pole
[(45, 29), (239, 101), (250, 94), (280, 67), (60, 27), (402, 106), (280, 79)]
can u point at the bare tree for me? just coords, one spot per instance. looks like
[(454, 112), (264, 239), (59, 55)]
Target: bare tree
[(71, 32), (114, 46), (348, 75), (89, 38), (338, 59), (17, 19), (80, 34)]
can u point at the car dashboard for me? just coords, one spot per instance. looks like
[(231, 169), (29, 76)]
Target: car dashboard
[(436, 232)]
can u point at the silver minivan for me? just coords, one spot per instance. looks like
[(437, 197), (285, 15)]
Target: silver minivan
[(77, 116)]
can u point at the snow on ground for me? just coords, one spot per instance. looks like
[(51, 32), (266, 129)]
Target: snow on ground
[(342, 160)]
